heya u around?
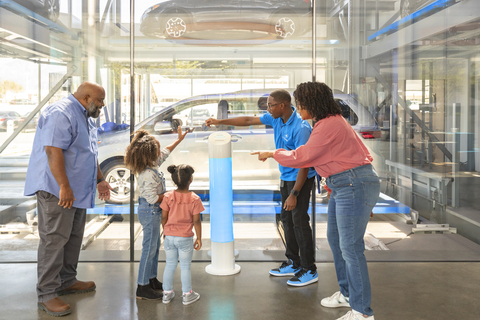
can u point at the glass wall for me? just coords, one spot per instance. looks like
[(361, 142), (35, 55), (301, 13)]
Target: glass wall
[(45, 54), (405, 74), (201, 59)]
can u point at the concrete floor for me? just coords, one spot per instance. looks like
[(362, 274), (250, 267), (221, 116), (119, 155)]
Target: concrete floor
[(399, 291)]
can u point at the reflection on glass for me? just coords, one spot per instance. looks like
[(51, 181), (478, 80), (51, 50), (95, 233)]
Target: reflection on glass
[(219, 19)]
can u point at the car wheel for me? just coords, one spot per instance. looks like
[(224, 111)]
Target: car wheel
[(405, 8), (118, 176), (51, 10), (285, 26), (175, 26)]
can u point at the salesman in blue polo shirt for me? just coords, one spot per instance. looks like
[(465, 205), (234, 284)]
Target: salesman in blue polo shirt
[(290, 132), (64, 174)]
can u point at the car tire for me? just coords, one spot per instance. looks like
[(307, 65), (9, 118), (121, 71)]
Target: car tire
[(51, 10), (118, 176), (175, 25), (286, 26)]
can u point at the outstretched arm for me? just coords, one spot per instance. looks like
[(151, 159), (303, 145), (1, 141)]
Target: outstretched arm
[(180, 138), (263, 155), (239, 121)]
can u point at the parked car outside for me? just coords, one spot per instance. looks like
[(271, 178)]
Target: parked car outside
[(22, 106), (180, 19), (248, 172), (50, 9), (6, 116), (22, 102)]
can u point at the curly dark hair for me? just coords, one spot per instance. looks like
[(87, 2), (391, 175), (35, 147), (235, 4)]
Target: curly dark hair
[(181, 175), (141, 152), (317, 99)]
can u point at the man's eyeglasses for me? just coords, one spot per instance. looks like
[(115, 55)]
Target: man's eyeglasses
[(273, 105)]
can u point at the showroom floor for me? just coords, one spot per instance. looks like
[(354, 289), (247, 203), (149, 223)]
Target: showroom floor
[(399, 291)]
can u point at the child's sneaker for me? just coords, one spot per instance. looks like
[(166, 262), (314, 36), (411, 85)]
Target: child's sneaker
[(168, 296), (285, 270), (191, 297)]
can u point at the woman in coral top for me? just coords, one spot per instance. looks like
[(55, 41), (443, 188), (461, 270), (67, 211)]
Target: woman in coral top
[(338, 154)]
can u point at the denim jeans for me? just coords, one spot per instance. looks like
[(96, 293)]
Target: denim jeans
[(150, 216), (178, 248), (354, 193), (298, 233)]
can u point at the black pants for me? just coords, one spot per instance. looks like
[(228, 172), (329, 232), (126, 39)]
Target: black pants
[(296, 225)]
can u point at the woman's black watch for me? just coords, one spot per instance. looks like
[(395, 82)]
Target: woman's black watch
[(295, 192)]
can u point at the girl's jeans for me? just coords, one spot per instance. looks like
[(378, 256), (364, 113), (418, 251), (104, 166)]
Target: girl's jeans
[(178, 248), (354, 193), (149, 216)]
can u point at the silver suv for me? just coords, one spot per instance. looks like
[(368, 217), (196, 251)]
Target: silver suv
[(248, 172)]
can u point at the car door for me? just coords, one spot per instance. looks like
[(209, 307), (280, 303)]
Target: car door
[(14, 116)]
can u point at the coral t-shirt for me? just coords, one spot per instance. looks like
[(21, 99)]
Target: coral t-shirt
[(181, 207)]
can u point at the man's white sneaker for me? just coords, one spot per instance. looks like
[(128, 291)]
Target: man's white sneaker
[(355, 315), (337, 300)]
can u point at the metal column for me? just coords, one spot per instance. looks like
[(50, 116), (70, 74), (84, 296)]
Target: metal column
[(456, 112)]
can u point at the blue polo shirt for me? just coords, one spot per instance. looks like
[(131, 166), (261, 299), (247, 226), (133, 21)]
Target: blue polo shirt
[(65, 125), (289, 136)]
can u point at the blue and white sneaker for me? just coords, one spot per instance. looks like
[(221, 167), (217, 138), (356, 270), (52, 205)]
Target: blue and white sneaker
[(303, 277), (287, 269)]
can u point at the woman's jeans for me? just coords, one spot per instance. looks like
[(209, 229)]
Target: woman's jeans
[(354, 193), (178, 248), (150, 216)]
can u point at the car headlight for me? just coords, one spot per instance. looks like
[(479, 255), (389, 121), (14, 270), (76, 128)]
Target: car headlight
[(151, 8)]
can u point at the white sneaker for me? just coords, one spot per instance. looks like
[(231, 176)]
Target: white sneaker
[(191, 297), (168, 296), (337, 300), (355, 315)]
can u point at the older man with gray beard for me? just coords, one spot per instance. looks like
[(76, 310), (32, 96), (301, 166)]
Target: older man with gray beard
[(64, 174)]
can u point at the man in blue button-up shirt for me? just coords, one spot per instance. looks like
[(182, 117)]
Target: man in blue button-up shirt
[(64, 174), (290, 132)]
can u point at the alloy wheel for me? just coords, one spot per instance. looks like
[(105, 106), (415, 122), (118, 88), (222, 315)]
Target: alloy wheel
[(285, 27), (119, 180), (175, 27)]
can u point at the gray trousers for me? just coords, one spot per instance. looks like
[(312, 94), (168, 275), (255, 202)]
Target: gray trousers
[(61, 234)]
